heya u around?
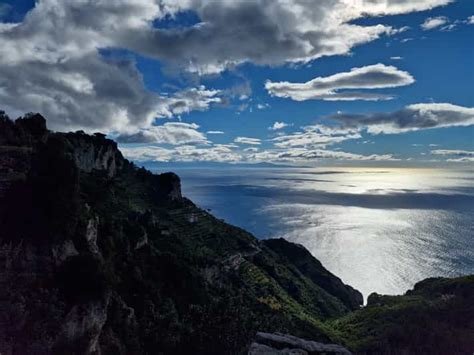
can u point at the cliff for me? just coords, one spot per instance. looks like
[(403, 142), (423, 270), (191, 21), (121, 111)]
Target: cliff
[(98, 256), (436, 317)]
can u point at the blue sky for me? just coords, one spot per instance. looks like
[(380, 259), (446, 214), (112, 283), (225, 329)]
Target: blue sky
[(161, 96)]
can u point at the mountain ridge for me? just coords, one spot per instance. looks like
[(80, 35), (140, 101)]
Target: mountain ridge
[(95, 228), (100, 256)]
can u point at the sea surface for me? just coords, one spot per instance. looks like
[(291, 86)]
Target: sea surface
[(378, 229)]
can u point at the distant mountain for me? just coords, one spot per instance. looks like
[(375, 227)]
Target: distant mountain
[(100, 256)]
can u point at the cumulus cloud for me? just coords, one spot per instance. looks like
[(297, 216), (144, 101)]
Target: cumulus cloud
[(247, 140), (174, 133), (411, 118), (278, 125), (304, 155), (433, 22), (271, 32), (192, 99), (185, 153), (316, 136), (52, 61), (457, 156), (231, 154), (378, 76)]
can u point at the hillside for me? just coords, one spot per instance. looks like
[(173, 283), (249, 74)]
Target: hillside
[(100, 256)]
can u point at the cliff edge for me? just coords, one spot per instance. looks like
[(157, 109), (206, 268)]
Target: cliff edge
[(100, 256)]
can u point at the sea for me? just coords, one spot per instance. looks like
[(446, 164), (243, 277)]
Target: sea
[(378, 229)]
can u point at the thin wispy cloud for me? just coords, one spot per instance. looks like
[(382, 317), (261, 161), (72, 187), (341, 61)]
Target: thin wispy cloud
[(278, 125), (304, 156), (215, 132), (455, 155), (434, 22), (340, 86), (316, 136), (411, 118), (248, 140)]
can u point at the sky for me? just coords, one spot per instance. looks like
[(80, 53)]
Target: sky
[(311, 83)]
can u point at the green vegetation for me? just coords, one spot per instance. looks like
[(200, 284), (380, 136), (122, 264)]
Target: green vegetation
[(436, 317), (100, 254)]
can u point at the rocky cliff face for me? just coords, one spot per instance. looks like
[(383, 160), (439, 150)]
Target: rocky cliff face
[(99, 256), (280, 344)]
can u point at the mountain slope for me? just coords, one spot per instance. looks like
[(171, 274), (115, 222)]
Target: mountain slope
[(101, 256), (436, 317), (98, 256)]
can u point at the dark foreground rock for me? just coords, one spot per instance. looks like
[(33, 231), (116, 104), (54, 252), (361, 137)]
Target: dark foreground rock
[(436, 317), (278, 343), (100, 256)]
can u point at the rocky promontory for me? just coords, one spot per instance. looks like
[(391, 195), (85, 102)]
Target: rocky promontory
[(99, 256)]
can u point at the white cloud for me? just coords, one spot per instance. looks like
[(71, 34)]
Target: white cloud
[(276, 32), (229, 153), (68, 38), (278, 125), (378, 76), (411, 118), (174, 133), (262, 106), (458, 156), (434, 22), (470, 20), (456, 152), (185, 153), (251, 150), (316, 136), (305, 155), (192, 99), (400, 30), (215, 132), (247, 140), (396, 58), (461, 160), (148, 153)]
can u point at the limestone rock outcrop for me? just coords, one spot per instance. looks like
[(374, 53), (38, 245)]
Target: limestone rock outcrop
[(284, 344)]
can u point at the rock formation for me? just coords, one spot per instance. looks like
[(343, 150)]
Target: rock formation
[(280, 344), (98, 256)]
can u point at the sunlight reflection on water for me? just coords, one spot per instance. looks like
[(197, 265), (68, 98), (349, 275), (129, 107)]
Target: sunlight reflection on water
[(379, 230)]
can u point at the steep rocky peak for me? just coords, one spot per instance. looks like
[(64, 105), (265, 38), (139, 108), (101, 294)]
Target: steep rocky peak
[(89, 153), (93, 152), (26, 142)]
